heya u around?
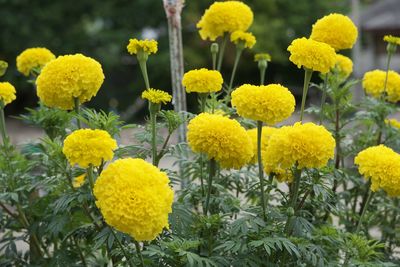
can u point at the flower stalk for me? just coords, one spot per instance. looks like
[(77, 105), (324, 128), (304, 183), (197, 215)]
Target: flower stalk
[(212, 171), (142, 59), (307, 79), (154, 109), (214, 51), (222, 51), (77, 112), (260, 167), (3, 125), (239, 50), (323, 99)]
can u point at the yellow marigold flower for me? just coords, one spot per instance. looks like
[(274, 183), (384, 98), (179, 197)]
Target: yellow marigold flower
[(69, 77), (335, 30), (89, 147), (224, 17), (312, 55), (7, 93), (156, 96), (134, 197), (245, 38), (33, 58), (392, 39), (262, 56), (79, 181), (374, 84), (393, 122), (344, 65), (266, 134), (202, 81), (310, 145), (382, 165), (271, 103), (148, 46), (221, 138)]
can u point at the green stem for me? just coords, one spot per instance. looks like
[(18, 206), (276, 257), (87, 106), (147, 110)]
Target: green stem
[(77, 111), (128, 259), (222, 51), (294, 196), (143, 68), (370, 194), (89, 172), (139, 253), (79, 251), (3, 124), (212, 171), (203, 101), (323, 99), (262, 75), (235, 65), (260, 167), (153, 121), (307, 79), (389, 57)]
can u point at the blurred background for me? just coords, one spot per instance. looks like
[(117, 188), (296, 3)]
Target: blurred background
[(101, 29)]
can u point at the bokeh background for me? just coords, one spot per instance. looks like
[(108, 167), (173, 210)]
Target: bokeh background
[(101, 29)]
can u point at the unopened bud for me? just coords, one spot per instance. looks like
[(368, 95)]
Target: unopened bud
[(214, 48), (3, 67)]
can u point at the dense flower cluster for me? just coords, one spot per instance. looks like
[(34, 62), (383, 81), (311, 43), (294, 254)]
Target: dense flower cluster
[(69, 77), (265, 135), (313, 55), (134, 197), (309, 145), (335, 30), (271, 103), (393, 122), (7, 92), (89, 147), (221, 138), (33, 58), (156, 96), (344, 65), (392, 39), (382, 165), (245, 38), (202, 81), (224, 17), (147, 46), (374, 84), (262, 56)]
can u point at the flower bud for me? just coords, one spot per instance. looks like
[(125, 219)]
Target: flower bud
[(214, 48), (3, 67)]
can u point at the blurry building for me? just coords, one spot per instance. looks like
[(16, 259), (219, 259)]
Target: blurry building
[(377, 20)]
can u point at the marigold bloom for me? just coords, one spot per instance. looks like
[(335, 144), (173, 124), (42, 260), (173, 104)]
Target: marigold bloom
[(147, 46), (393, 122), (382, 165), (134, 197), (221, 138), (374, 84), (245, 38), (69, 77), (335, 30), (262, 56), (344, 65), (156, 96), (312, 55), (89, 147), (271, 103), (224, 17), (266, 134), (33, 58), (392, 39), (309, 145), (79, 181), (202, 81), (7, 93)]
